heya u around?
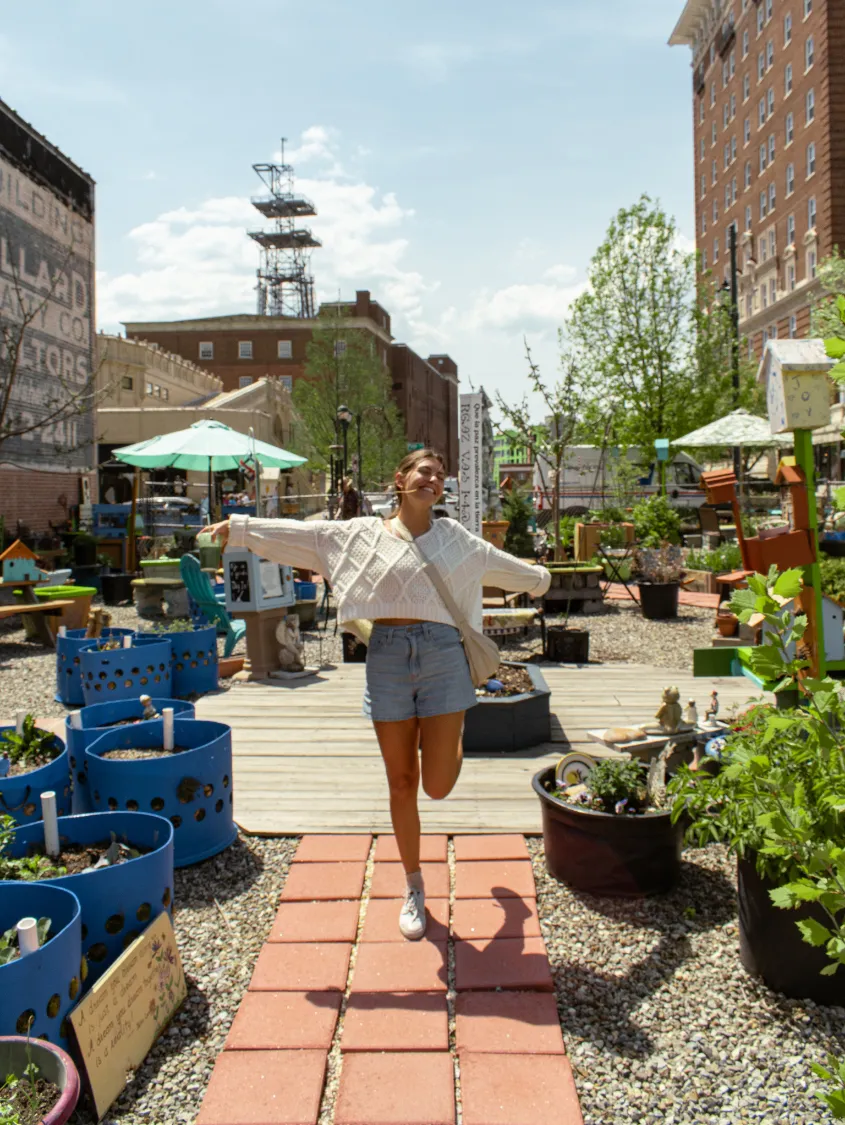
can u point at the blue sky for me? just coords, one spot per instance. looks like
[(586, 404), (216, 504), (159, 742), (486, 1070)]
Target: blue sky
[(465, 157)]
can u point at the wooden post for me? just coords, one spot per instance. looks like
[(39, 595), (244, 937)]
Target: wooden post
[(131, 546)]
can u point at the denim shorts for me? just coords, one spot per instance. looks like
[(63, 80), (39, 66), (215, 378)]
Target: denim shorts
[(416, 670)]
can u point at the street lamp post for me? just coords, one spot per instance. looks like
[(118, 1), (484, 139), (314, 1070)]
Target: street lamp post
[(344, 416)]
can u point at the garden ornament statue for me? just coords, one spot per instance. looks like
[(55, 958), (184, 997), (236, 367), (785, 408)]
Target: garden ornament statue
[(668, 713), (691, 713), (292, 647), (713, 710)]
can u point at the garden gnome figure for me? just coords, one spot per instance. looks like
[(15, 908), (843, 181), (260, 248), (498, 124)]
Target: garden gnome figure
[(713, 710), (691, 713), (291, 644), (669, 712), (149, 711)]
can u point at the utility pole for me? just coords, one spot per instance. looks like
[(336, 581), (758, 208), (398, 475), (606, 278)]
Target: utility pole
[(737, 453)]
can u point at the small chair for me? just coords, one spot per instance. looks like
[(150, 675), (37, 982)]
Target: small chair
[(199, 588)]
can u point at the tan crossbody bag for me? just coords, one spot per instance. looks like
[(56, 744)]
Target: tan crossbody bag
[(482, 652)]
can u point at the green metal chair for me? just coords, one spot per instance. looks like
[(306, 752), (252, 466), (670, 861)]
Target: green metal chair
[(199, 588)]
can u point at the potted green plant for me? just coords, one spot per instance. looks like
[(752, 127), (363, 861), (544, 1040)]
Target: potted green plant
[(565, 645), (612, 832), (41, 1083), (777, 804), (32, 761), (658, 574)]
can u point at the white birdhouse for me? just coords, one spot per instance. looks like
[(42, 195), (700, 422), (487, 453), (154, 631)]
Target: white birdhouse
[(833, 618), (253, 583), (797, 390)]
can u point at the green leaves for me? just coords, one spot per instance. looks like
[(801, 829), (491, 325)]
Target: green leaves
[(835, 1076), (30, 748), (789, 584)]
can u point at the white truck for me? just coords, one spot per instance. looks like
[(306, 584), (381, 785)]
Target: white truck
[(592, 477)]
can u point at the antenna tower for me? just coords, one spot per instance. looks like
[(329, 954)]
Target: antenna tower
[(285, 284)]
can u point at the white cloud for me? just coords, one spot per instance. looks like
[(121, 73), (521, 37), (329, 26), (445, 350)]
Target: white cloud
[(537, 307)]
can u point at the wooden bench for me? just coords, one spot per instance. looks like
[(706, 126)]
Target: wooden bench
[(38, 611)]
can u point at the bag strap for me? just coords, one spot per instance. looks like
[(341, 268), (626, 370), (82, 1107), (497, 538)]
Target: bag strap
[(436, 579)]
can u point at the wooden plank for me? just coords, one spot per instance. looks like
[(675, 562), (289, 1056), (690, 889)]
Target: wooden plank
[(48, 608)]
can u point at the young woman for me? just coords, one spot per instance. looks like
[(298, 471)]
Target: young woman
[(418, 684)]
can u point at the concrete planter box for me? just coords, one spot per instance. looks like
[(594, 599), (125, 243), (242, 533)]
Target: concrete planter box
[(512, 722)]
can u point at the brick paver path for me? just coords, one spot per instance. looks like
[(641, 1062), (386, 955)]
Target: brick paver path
[(345, 1021), (618, 593)]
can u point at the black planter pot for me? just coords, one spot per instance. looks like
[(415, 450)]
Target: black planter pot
[(84, 553), (116, 588), (567, 646), (771, 946), (659, 600), (607, 855)]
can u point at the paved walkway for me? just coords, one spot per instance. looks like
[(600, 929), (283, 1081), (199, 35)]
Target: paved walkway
[(346, 1022), (617, 592)]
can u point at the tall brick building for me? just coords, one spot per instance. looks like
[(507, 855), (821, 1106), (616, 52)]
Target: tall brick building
[(242, 348), (768, 93)]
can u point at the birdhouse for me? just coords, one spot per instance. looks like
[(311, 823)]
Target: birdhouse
[(19, 564), (791, 544), (253, 584), (795, 376), (833, 623)]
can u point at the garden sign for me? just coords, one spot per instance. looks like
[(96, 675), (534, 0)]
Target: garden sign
[(118, 1021)]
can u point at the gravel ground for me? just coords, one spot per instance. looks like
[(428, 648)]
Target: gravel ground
[(219, 942), (662, 1023)]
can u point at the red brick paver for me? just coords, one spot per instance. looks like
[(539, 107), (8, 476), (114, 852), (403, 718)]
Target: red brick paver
[(399, 1088), (388, 1017), (264, 1088)]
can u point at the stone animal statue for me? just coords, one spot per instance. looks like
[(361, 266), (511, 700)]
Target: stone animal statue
[(668, 713), (291, 645), (98, 619)]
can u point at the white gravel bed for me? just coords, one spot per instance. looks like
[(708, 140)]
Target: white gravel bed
[(218, 956), (662, 1023)]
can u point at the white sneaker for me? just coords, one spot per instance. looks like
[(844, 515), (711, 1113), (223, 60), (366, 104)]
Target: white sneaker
[(412, 915)]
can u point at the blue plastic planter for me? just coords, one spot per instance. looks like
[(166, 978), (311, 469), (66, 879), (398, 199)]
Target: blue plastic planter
[(117, 902), (125, 673), (20, 796), (94, 719), (68, 667), (43, 986), (305, 591), (194, 665), (192, 788)]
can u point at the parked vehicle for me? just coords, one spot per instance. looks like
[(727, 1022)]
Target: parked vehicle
[(590, 478)]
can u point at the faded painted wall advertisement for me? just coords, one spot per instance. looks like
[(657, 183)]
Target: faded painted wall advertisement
[(46, 286), (471, 483)]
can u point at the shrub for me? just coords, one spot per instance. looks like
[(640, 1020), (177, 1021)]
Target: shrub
[(656, 522)]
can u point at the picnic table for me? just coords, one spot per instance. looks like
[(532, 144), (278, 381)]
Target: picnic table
[(39, 611)]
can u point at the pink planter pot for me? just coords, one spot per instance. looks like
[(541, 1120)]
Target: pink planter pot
[(54, 1064)]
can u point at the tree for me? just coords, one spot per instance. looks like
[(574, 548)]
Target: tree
[(827, 312), (517, 509), (343, 368), (43, 389), (548, 441), (652, 336)]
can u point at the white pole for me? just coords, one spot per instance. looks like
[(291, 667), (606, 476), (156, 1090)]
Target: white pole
[(76, 720), (51, 823), (167, 715), (27, 936), (63, 630), (20, 715), (127, 640)]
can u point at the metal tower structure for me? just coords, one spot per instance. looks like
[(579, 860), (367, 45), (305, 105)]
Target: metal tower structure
[(285, 285)]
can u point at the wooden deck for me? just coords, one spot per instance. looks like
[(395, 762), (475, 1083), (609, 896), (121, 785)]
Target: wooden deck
[(306, 760)]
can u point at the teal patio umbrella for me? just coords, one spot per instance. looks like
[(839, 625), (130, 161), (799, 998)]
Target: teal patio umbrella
[(207, 444)]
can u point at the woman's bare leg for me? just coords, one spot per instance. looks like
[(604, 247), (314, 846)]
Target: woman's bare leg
[(442, 753), (399, 744)]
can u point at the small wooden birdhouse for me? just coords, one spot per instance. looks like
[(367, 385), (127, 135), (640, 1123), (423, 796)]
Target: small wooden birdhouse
[(18, 564), (793, 494), (833, 623), (795, 376)]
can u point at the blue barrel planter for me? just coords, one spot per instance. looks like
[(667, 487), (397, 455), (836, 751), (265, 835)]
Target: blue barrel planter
[(125, 673), (193, 788), (94, 719), (194, 665), (304, 591), (38, 991), (68, 665), (117, 902), (20, 796)]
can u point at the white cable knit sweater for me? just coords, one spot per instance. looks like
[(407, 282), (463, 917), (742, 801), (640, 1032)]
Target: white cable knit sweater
[(374, 574)]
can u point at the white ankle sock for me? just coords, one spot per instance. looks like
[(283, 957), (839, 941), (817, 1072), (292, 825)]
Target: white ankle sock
[(415, 880)]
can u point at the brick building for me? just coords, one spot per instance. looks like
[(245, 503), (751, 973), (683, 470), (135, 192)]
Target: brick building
[(768, 93), (244, 347)]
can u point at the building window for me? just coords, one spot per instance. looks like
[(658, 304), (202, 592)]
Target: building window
[(713, 133), (206, 349), (715, 211), (733, 106), (790, 179), (126, 383), (712, 94), (244, 380), (733, 149), (811, 159), (704, 222), (790, 230), (787, 29), (733, 190), (773, 328), (701, 149), (772, 243), (712, 53), (749, 308), (715, 250), (704, 259), (761, 113), (748, 217), (759, 20), (724, 74), (808, 8), (701, 113), (703, 186), (763, 152), (790, 282), (245, 349), (764, 203), (790, 128), (746, 130), (811, 212), (727, 155), (809, 52), (773, 290), (747, 179), (165, 393), (771, 100), (811, 264), (715, 172), (339, 347), (769, 6), (761, 66), (793, 320), (772, 196), (157, 391), (771, 148), (727, 196), (726, 113), (746, 88), (732, 63), (149, 389), (284, 348), (764, 250), (764, 302), (286, 381), (745, 39), (770, 54), (811, 105), (787, 80)]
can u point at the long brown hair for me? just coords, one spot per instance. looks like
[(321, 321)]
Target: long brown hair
[(409, 462)]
